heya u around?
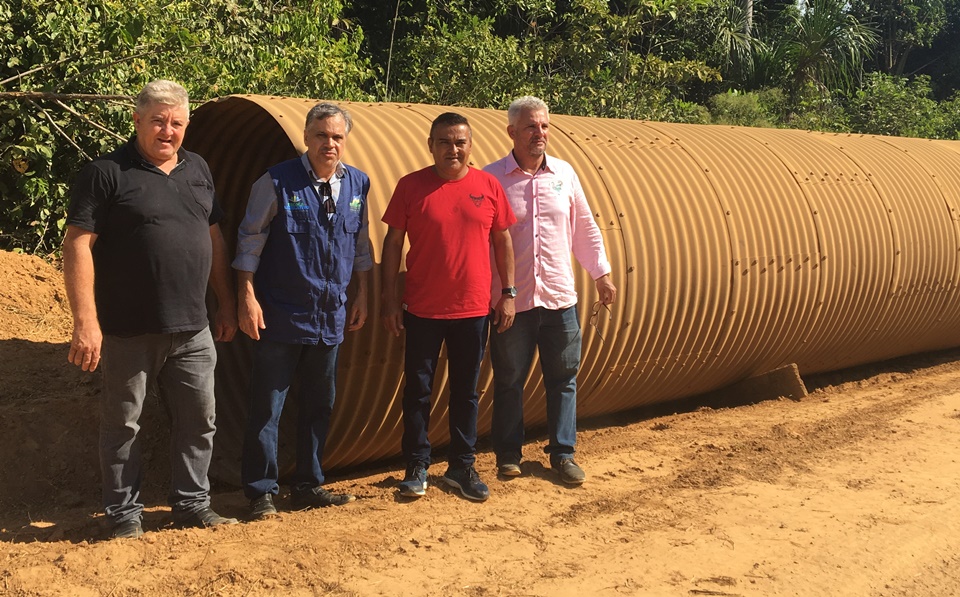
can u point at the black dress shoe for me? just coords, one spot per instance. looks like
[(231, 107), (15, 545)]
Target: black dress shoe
[(318, 497), (262, 506), (202, 519), (128, 529)]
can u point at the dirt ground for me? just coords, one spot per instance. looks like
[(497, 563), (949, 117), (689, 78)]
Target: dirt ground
[(850, 491)]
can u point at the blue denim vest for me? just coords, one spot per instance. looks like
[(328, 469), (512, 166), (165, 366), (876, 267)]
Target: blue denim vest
[(307, 261)]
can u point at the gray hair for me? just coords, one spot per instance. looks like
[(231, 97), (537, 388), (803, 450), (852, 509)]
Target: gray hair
[(325, 110), (527, 102), (163, 92)]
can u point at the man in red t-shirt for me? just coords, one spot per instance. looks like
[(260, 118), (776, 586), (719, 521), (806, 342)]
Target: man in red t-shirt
[(452, 213)]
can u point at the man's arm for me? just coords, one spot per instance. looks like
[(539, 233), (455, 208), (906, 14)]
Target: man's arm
[(503, 254), (78, 278), (390, 312), (251, 238), (362, 264), (250, 314), (225, 321), (358, 310), (587, 245)]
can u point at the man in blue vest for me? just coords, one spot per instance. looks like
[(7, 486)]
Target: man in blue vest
[(304, 234)]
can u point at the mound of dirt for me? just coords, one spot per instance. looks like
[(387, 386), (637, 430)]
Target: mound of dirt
[(33, 301)]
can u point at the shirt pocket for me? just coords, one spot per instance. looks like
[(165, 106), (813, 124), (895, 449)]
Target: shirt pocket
[(202, 192), (351, 222), (299, 221)]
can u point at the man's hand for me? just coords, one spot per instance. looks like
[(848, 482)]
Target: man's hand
[(358, 316), (225, 323), (391, 315), (249, 313), (250, 316), (606, 290), (85, 347), (504, 313), (390, 312)]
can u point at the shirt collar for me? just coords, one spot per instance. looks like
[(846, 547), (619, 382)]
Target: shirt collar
[(339, 173), (134, 150), (512, 163)]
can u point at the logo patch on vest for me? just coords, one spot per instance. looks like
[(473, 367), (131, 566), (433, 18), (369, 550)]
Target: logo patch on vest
[(477, 199), (356, 203), (295, 203)]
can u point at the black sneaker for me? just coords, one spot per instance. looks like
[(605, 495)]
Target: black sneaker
[(128, 529), (570, 473), (262, 506), (468, 482), (414, 483), (318, 497), (201, 519)]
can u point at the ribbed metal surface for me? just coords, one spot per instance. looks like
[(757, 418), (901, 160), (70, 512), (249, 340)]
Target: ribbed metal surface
[(735, 251)]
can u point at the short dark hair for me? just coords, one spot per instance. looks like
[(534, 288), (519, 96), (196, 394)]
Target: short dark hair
[(325, 110), (449, 119)]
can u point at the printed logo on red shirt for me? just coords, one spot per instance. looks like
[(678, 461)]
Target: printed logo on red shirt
[(477, 200)]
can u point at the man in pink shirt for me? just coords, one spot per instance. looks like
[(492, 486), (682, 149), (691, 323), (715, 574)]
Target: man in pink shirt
[(553, 220), (451, 213)]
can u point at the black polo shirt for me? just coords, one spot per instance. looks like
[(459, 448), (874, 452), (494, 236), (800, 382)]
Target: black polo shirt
[(153, 252)]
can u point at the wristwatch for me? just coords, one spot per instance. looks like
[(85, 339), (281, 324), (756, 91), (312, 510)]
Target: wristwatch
[(510, 291)]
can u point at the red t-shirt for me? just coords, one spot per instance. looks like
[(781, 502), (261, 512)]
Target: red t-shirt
[(448, 223)]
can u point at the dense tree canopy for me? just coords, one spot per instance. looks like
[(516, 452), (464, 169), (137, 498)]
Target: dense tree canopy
[(69, 69)]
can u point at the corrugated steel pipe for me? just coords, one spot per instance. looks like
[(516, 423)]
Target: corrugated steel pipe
[(735, 251)]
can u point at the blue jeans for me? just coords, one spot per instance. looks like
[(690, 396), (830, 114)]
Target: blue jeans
[(181, 365), (274, 366), (465, 340), (556, 334)]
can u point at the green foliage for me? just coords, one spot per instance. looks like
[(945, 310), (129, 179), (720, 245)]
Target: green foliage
[(890, 105), (826, 47), (752, 108), (587, 60), (815, 111), (107, 47), (754, 63), (904, 25), (951, 118), (459, 61)]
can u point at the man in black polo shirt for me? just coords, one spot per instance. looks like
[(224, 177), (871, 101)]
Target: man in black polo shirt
[(142, 241)]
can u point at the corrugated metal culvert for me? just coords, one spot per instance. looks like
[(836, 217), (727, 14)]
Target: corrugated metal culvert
[(735, 251)]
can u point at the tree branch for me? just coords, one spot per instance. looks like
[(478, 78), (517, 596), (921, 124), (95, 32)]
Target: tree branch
[(58, 129), (96, 67), (33, 70), (44, 95), (89, 121)]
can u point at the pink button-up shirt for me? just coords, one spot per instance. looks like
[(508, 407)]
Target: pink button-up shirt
[(553, 220)]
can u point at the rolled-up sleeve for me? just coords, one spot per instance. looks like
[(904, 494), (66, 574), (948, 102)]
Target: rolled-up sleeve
[(255, 227)]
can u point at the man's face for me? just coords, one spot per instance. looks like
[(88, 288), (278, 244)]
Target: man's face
[(450, 146), (160, 129), (530, 133), (326, 140)]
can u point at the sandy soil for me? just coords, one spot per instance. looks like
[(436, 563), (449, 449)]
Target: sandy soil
[(849, 491)]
